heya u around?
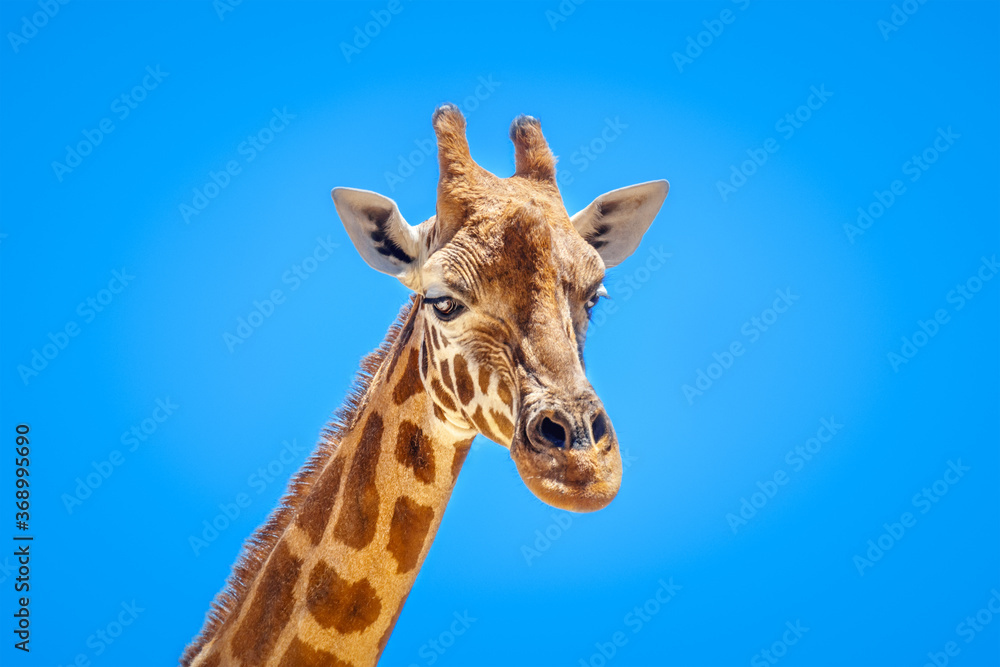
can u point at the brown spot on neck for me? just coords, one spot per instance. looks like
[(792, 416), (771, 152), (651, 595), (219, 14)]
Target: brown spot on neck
[(408, 531), (336, 603), (270, 609), (318, 506), (359, 512), (415, 450), (409, 383), (300, 654), (484, 379)]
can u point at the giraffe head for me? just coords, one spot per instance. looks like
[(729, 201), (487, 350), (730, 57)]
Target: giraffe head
[(506, 280)]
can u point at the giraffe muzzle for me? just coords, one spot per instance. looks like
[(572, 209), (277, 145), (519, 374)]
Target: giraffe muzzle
[(568, 456)]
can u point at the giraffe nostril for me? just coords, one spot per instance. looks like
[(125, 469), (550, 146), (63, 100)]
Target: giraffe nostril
[(599, 427), (553, 433)]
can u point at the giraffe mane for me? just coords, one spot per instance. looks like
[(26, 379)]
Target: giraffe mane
[(258, 546)]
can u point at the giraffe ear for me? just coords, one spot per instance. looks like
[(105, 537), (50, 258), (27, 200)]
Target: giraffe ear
[(615, 222), (383, 238)]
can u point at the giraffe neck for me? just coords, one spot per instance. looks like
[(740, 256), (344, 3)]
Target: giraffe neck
[(331, 588)]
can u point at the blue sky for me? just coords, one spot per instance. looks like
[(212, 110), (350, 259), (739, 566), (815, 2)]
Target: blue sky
[(818, 402)]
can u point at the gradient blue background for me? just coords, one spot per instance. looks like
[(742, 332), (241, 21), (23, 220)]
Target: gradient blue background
[(825, 358)]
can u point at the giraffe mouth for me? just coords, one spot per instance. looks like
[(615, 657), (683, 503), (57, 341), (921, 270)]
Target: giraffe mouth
[(579, 479)]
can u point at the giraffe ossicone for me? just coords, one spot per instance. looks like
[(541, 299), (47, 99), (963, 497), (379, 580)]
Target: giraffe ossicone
[(491, 343)]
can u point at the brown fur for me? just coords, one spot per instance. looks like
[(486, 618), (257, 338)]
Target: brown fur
[(408, 532), (415, 451), (484, 426), (336, 603), (423, 356), (300, 654), (504, 394), (359, 514), (409, 384), (442, 397), (446, 375), (270, 609), (315, 512), (506, 428), (463, 381)]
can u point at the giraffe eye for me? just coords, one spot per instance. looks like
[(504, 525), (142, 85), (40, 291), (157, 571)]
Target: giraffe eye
[(446, 308), (592, 301)]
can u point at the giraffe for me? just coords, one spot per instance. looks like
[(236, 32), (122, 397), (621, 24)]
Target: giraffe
[(491, 343)]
